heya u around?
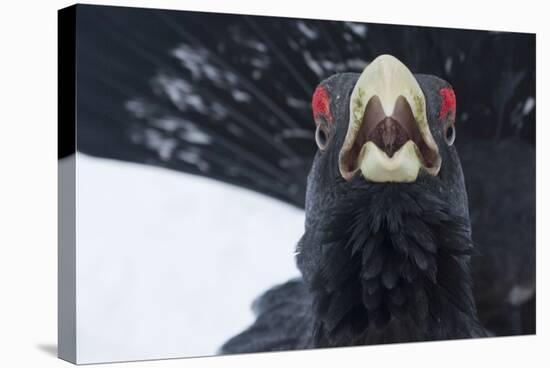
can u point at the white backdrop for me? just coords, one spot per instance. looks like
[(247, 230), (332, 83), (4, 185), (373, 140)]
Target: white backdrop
[(28, 149), (169, 263)]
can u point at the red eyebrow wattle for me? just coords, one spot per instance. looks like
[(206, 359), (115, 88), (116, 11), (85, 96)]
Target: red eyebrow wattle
[(448, 103), (320, 104)]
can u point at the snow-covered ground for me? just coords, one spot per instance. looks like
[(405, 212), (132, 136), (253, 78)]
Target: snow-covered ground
[(169, 263)]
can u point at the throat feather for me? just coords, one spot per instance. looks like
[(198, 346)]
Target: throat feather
[(390, 270)]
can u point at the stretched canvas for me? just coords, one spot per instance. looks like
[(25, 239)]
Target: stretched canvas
[(236, 183)]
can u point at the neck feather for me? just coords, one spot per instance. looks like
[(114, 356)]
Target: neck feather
[(394, 269)]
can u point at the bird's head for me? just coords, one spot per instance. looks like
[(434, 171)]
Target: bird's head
[(386, 204), (384, 127)]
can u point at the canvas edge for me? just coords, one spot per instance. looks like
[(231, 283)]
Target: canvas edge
[(66, 104)]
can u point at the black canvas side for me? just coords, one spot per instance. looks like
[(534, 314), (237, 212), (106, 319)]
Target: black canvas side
[(66, 333)]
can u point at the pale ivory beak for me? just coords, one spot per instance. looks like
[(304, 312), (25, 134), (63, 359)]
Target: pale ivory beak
[(388, 79)]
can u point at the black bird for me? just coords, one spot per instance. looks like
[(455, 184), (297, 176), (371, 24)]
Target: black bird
[(227, 97), (386, 259)]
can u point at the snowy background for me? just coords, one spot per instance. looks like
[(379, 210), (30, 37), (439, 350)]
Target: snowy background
[(168, 263)]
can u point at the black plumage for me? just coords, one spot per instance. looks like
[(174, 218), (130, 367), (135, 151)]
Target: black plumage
[(227, 97), (383, 262)]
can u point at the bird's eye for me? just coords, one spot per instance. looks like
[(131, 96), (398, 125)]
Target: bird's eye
[(320, 106), (321, 137), (450, 134)]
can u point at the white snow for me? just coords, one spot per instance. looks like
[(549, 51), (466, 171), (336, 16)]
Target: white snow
[(240, 96), (529, 105), (192, 58), (357, 28), (164, 146), (306, 31), (189, 131), (448, 65), (192, 156), (169, 263)]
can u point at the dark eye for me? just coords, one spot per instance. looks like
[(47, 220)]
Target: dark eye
[(321, 137), (450, 135)]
